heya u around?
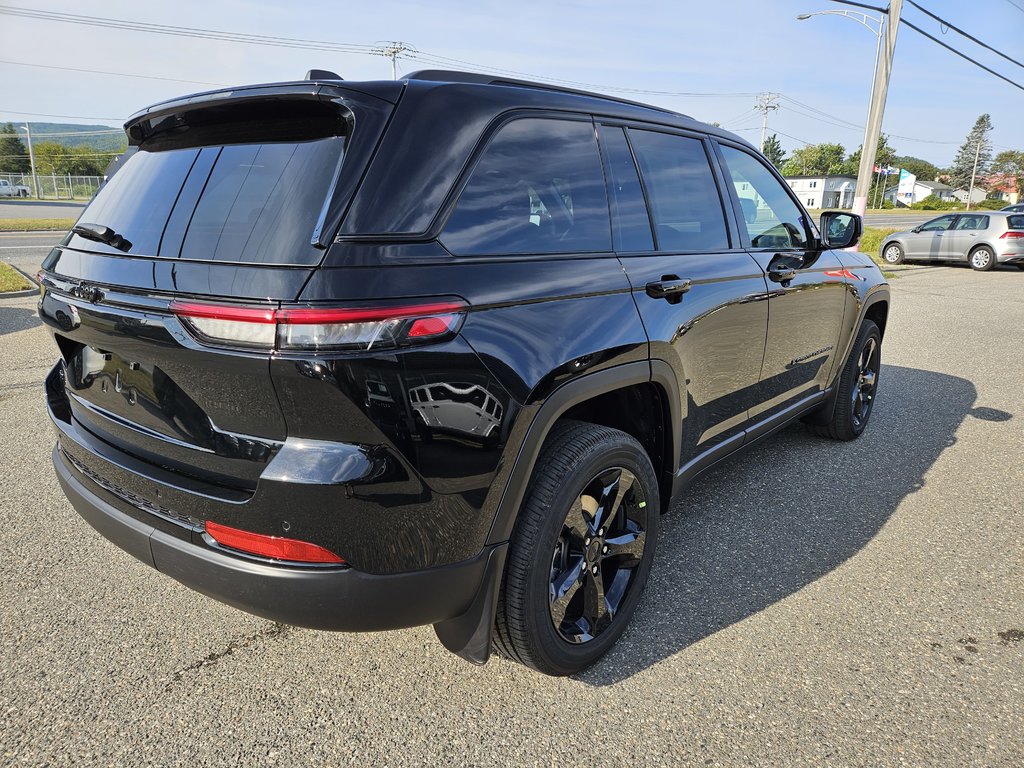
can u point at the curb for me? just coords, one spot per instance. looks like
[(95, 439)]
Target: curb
[(27, 291)]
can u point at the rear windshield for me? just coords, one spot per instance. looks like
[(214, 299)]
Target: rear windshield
[(1015, 222), (250, 203)]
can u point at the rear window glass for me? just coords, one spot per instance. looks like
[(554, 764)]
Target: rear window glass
[(1015, 222), (539, 188), (248, 203)]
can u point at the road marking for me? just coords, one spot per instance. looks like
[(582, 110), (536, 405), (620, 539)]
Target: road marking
[(22, 247)]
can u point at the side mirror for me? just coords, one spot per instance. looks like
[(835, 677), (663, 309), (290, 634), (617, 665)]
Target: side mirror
[(917, 228), (840, 229)]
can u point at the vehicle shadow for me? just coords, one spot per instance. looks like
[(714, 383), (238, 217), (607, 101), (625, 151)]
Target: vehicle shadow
[(14, 319), (788, 511)]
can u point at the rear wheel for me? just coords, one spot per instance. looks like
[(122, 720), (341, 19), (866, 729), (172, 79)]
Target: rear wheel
[(858, 386), (893, 253), (581, 550), (982, 259)]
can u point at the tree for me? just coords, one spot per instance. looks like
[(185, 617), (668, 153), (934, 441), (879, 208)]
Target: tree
[(885, 156), (773, 151), (977, 144), (815, 159), (1009, 164), (13, 152), (924, 170), (58, 159)]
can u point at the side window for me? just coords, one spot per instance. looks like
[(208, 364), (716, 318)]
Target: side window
[(972, 222), (940, 224), (773, 220), (681, 189), (631, 229), (539, 188)]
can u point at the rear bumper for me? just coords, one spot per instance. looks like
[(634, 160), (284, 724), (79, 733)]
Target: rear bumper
[(318, 598)]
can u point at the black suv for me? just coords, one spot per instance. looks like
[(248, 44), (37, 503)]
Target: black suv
[(362, 356)]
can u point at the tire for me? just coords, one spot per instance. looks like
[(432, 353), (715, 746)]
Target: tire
[(982, 259), (558, 543), (1019, 266), (855, 397), (893, 253)]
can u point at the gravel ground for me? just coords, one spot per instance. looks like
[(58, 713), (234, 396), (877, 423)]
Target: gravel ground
[(811, 603)]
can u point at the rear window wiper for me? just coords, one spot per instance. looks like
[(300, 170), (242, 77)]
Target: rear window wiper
[(100, 234)]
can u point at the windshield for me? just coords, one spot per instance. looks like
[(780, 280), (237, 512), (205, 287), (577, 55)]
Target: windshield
[(245, 203)]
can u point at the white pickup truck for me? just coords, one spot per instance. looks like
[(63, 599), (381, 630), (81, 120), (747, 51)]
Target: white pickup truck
[(13, 190)]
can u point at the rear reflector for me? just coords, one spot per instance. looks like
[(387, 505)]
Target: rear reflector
[(318, 328), (274, 547)]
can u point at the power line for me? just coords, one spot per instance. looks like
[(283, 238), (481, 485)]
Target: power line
[(69, 117), (961, 55), (105, 72), (1015, 5), (969, 37)]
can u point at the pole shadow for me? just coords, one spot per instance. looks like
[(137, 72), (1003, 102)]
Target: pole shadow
[(760, 527)]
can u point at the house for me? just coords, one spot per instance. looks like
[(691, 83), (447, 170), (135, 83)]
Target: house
[(922, 189), (977, 195), (824, 191), (1003, 186)]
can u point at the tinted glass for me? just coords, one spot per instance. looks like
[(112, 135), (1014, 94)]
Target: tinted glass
[(681, 190), (772, 218), (972, 222), (251, 203), (539, 188), (1015, 222), (940, 224), (631, 226)]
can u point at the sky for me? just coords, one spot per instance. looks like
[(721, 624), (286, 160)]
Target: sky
[(733, 47)]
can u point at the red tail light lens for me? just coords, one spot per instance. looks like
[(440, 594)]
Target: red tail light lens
[(317, 328), (1012, 235), (274, 547)]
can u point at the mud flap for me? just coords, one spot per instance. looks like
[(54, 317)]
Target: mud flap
[(469, 635)]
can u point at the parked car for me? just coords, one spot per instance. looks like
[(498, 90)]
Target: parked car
[(981, 239), (263, 316), (13, 190), (1018, 208)]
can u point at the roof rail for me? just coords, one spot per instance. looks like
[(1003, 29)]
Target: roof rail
[(455, 76)]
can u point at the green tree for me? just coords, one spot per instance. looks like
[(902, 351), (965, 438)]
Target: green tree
[(885, 155), (773, 151), (1010, 163), (13, 152), (977, 144), (815, 159), (58, 159), (924, 170)]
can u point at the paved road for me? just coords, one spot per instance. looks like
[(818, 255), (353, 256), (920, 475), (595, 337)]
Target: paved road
[(907, 220), (812, 604), (40, 209)]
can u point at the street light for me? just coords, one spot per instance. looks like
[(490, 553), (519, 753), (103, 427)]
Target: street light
[(876, 26)]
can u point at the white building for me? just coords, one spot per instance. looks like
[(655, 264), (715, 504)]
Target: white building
[(824, 191), (923, 189), (977, 195)]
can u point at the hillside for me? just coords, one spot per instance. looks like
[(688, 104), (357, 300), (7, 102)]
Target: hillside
[(102, 142)]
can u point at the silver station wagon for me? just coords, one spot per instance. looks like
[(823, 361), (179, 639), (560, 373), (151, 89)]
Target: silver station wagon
[(982, 239)]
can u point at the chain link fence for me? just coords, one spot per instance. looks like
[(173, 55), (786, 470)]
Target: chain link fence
[(57, 187)]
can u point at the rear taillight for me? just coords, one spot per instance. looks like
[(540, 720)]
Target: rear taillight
[(273, 547), (319, 328), (1012, 235)]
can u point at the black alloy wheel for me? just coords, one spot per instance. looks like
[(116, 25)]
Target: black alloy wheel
[(597, 555), (863, 394)]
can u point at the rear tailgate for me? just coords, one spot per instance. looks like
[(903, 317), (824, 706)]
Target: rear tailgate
[(230, 196)]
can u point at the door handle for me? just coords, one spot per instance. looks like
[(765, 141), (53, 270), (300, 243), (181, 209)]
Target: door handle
[(781, 273), (670, 287)]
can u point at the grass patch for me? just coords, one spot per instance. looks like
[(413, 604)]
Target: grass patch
[(12, 280), (36, 225), (872, 239)]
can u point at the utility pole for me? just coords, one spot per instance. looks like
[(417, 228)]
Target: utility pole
[(766, 102), (879, 91), (392, 50), (974, 171), (32, 161)]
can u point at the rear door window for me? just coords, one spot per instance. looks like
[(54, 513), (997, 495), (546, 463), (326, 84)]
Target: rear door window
[(631, 226), (685, 204), (972, 222), (538, 188)]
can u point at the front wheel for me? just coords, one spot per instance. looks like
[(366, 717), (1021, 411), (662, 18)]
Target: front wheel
[(581, 550), (858, 386), (982, 259), (893, 253)]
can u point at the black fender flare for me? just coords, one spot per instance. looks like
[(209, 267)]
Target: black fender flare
[(469, 635)]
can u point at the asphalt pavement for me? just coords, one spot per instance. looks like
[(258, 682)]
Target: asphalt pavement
[(40, 209), (812, 603)]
